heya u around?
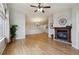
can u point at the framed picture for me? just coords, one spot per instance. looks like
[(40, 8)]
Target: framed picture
[(62, 20)]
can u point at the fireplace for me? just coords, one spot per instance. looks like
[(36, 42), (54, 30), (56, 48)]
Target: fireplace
[(63, 33)]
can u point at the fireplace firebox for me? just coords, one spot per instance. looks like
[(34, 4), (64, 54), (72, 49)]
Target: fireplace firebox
[(63, 33)]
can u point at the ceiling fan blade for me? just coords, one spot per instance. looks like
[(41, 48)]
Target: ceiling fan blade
[(33, 6), (47, 7), (35, 10)]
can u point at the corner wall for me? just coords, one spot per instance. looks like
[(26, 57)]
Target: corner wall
[(18, 18)]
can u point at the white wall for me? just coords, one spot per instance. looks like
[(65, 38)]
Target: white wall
[(65, 13), (36, 30), (32, 31), (75, 27), (18, 18)]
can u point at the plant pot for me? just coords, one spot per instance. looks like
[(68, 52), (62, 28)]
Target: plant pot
[(12, 39)]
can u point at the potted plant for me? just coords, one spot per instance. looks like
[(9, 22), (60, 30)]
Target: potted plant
[(13, 30)]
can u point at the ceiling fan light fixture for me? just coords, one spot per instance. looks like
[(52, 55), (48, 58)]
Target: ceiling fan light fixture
[(40, 9)]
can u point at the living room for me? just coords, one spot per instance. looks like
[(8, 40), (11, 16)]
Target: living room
[(58, 22)]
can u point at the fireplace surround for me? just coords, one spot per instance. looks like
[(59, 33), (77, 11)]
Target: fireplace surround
[(63, 33)]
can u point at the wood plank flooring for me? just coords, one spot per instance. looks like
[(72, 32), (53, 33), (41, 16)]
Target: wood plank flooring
[(39, 44)]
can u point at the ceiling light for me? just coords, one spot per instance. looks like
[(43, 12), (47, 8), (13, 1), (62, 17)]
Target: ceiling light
[(40, 9)]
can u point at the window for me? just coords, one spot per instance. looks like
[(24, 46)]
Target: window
[(1, 22), (1, 28)]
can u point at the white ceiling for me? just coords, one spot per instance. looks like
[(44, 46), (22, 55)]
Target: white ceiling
[(55, 7)]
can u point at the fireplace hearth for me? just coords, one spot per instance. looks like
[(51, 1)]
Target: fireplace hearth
[(63, 33)]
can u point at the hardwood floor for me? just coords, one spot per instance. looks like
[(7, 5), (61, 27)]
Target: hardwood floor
[(39, 44)]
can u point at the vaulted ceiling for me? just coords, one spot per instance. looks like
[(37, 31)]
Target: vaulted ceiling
[(55, 7), (29, 11)]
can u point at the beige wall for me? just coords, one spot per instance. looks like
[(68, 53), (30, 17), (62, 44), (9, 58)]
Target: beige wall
[(36, 25)]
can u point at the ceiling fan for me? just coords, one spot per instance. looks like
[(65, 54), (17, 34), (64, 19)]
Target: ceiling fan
[(40, 7)]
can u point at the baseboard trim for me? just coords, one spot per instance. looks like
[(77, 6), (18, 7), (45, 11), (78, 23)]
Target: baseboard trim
[(63, 41), (36, 33)]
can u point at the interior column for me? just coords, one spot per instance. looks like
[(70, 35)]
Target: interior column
[(75, 28)]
